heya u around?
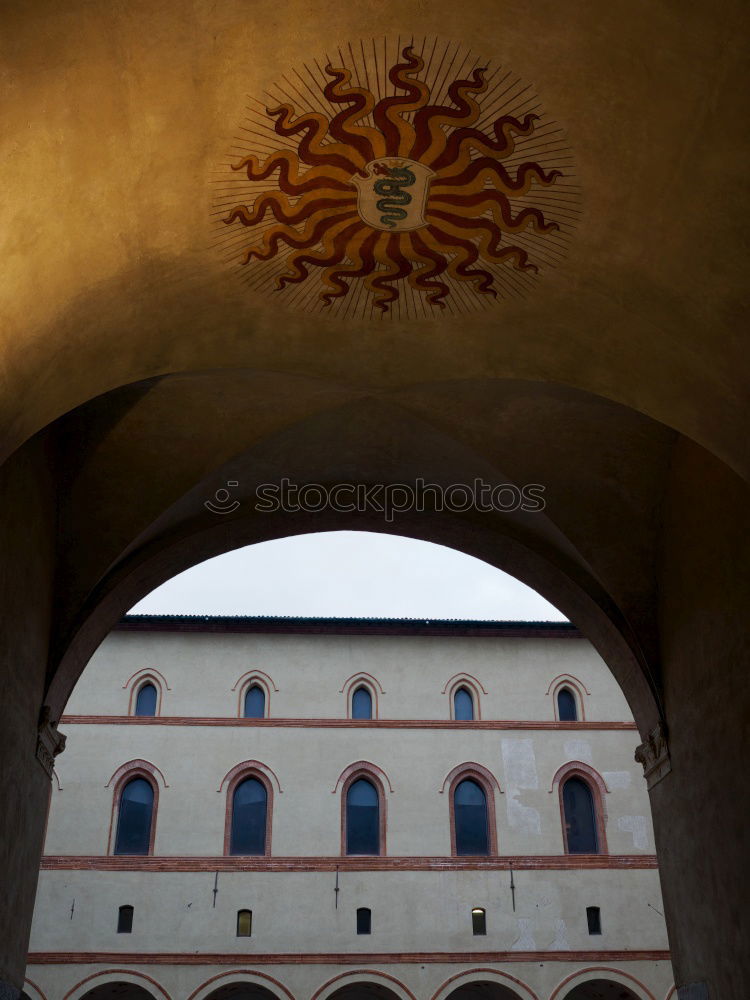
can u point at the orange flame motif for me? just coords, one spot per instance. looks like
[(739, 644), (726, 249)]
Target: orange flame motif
[(403, 204)]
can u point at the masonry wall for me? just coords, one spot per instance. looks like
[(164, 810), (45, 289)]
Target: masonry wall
[(420, 894)]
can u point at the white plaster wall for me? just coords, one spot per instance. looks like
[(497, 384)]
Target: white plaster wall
[(295, 911), (202, 668), (308, 763)]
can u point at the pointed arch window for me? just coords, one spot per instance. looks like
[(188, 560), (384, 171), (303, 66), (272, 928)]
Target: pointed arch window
[(463, 705), (255, 702), (579, 811), (470, 818), (145, 702), (567, 708), (361, 703), (249, 817), (135, 817), (362, 818)]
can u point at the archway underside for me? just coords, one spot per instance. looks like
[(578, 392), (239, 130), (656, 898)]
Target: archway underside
[(364, 991), (118, 991), (483, 991), (242, 991), (600, 989), (485, 436)]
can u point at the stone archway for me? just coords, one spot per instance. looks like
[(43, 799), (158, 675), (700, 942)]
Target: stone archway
[(137, 370), (602, 984), (363, 985), (601, 989), (242, 991), (364, 991), (484, 984), (118, 991), (483, 990)]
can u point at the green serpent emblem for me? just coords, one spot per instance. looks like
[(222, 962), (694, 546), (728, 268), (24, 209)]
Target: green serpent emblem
[(392, 205)]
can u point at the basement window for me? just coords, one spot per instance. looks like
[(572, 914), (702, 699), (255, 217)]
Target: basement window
[(364, 920), (244, 923), (478, 921), (594, 919), (125, 920)]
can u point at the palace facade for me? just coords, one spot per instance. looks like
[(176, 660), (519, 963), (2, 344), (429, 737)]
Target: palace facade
[(336, 809)]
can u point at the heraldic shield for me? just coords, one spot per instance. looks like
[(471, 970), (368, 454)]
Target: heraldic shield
[(392, 195)]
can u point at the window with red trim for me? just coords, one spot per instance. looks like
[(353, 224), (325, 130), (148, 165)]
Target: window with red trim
[(135, 817), (579, 809)]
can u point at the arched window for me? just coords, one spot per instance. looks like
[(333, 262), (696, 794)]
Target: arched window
[(125, 920), (145, 703), (580, 817), (249, 813), (594, 919), (135, 817), (255, 702), (361, 704), (463, 705), (364, 920), (478, 921), (472, 833), (362, 818), (244, 923), (567, 710)]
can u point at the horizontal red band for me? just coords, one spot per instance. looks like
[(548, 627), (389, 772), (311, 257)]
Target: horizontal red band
[(541, 862), (187, 720), (338, 958)]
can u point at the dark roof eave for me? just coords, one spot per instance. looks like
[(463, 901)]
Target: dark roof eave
[(290, 625)]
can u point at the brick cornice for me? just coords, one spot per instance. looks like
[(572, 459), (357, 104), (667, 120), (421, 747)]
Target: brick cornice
[(339, 958), (189, 720), (540, 862)]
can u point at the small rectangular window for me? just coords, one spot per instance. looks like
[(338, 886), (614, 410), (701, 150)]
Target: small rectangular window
[(244, 923), (593, 917), (364, 920), (125, 920), (478, 921)]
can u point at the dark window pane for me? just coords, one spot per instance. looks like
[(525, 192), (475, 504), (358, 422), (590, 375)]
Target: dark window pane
[(566, 706), (362, 819), (594, 920), (134, 818), (145, 703), (478, 921), (463, 706), (470, 810), (255, 703), (244, 923), (249, 805), (125, 920), (364, 920), (362, 704), (580, 821)]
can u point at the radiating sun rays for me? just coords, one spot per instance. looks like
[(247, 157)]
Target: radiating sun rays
[(407, 186)]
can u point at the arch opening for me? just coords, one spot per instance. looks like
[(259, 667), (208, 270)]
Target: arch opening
[(118, 991), (483, 990), (364, 991), (600, 989), (242, 991)]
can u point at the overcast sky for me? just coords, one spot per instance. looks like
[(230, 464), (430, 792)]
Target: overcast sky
[(348, 574)]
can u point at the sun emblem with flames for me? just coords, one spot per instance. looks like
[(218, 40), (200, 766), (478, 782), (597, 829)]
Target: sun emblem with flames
[(398, 202)]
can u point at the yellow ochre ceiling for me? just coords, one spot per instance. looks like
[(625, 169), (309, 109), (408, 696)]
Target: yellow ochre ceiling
[(117, 121)]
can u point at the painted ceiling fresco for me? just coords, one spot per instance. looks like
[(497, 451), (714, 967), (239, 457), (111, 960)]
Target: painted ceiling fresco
[(403, 181)]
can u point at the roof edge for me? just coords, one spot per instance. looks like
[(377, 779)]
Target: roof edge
[(294, 625)]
